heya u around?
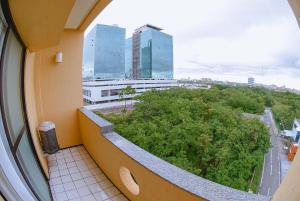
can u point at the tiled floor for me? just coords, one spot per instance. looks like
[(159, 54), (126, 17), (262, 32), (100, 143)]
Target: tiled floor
[(75, 176)]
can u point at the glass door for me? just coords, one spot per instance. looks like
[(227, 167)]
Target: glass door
[(13, 112)]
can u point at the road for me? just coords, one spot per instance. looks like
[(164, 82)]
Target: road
[(270, 179)]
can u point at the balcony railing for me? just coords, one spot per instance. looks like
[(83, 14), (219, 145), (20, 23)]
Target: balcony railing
[(143, 176)]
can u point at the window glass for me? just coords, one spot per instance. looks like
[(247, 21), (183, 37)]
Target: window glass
[(104, 93), (31, 168), (12, 86)]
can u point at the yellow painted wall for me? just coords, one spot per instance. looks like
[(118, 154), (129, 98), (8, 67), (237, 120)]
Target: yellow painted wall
[(58, 87), (110, 159), (289, 189), (30, 99)]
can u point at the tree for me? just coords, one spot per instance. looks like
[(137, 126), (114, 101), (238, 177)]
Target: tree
[(201, 131), (123, 94)]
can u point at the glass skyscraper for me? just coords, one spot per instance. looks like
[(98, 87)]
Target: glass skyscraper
[(104, 53), (128, 58), (149, 54)]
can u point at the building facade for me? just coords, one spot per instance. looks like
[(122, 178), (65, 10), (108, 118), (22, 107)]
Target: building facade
[(152, 54), (251, 80), (104, 53), (96, 92)]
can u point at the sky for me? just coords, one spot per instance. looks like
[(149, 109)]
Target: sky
[(220, 39)]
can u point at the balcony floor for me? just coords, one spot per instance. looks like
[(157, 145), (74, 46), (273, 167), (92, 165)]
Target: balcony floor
[(75, 176)]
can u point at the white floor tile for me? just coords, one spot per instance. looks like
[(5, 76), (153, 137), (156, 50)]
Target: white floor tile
[(58, 188), (72, 194), (95, 188), (80, 183), (69, 186), (61, 196), (83, 191), (88, 198), (75, 176), (90, 180), (100, 196), (66, 179), (106, 184), (64, 172), (119, 197)]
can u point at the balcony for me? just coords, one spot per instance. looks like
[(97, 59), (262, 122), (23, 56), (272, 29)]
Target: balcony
[(75, 176), (143, 176), (108, 167)]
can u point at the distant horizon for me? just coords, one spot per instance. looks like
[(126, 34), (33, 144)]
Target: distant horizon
[(221, 39)]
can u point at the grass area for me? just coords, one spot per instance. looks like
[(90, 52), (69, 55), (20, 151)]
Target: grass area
[(254, 185)]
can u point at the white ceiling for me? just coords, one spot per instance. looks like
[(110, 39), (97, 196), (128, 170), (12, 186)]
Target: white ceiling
[(79, 11)]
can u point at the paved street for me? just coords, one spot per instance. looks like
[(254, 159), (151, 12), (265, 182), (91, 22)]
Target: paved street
[(270, 179)]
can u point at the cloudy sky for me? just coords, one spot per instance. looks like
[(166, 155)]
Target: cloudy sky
[(221, 39)]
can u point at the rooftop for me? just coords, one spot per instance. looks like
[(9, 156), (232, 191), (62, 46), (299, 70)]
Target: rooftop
[(142, 28)]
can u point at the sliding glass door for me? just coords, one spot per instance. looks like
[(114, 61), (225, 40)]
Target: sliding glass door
[(13, 111)]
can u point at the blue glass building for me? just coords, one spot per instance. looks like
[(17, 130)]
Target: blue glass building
[(128, 58), (149, 54), (104, 53)]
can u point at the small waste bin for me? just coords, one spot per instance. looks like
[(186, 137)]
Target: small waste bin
[(48, 137)]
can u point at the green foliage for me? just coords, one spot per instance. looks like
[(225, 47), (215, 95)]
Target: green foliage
[(201, 131), (125, 92), (286, 107)]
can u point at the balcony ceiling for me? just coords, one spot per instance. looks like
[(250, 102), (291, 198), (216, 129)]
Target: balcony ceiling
[(295, 4), (79, 12), (41, 23)]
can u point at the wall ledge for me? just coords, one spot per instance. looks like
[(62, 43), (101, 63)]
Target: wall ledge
[(185, 180), (105, 126)]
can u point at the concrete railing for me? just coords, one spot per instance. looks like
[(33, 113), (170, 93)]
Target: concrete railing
[(140, 175)]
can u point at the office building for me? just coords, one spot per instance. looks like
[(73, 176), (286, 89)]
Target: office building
[(95, 92), (104, 53), (152, 54), (251, 81)]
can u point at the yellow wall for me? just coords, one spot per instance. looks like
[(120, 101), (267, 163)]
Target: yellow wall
[(289, 189), (31, 108), (110, 159), (58, 87)]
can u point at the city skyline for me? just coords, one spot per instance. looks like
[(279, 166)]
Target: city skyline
[(107, 55), (223, 40)]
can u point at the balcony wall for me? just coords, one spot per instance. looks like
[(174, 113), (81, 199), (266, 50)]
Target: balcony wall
[(58, 87), (53, 91), (157, 180)]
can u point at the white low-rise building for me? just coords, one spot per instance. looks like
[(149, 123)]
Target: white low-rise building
[(295, 132), (95, 92)]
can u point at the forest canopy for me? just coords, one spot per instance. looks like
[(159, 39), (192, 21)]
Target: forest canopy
[(205, 131)]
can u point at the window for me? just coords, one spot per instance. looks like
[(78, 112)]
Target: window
[(114, 92), (14, 113), (86, 92), (104, 93)]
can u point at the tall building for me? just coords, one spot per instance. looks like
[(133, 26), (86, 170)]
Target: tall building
[(104, 53), (251, 81), (128, 59), (151, 54)]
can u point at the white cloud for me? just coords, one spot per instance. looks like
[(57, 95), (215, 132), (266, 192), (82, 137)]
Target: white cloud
[(220, 38)]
